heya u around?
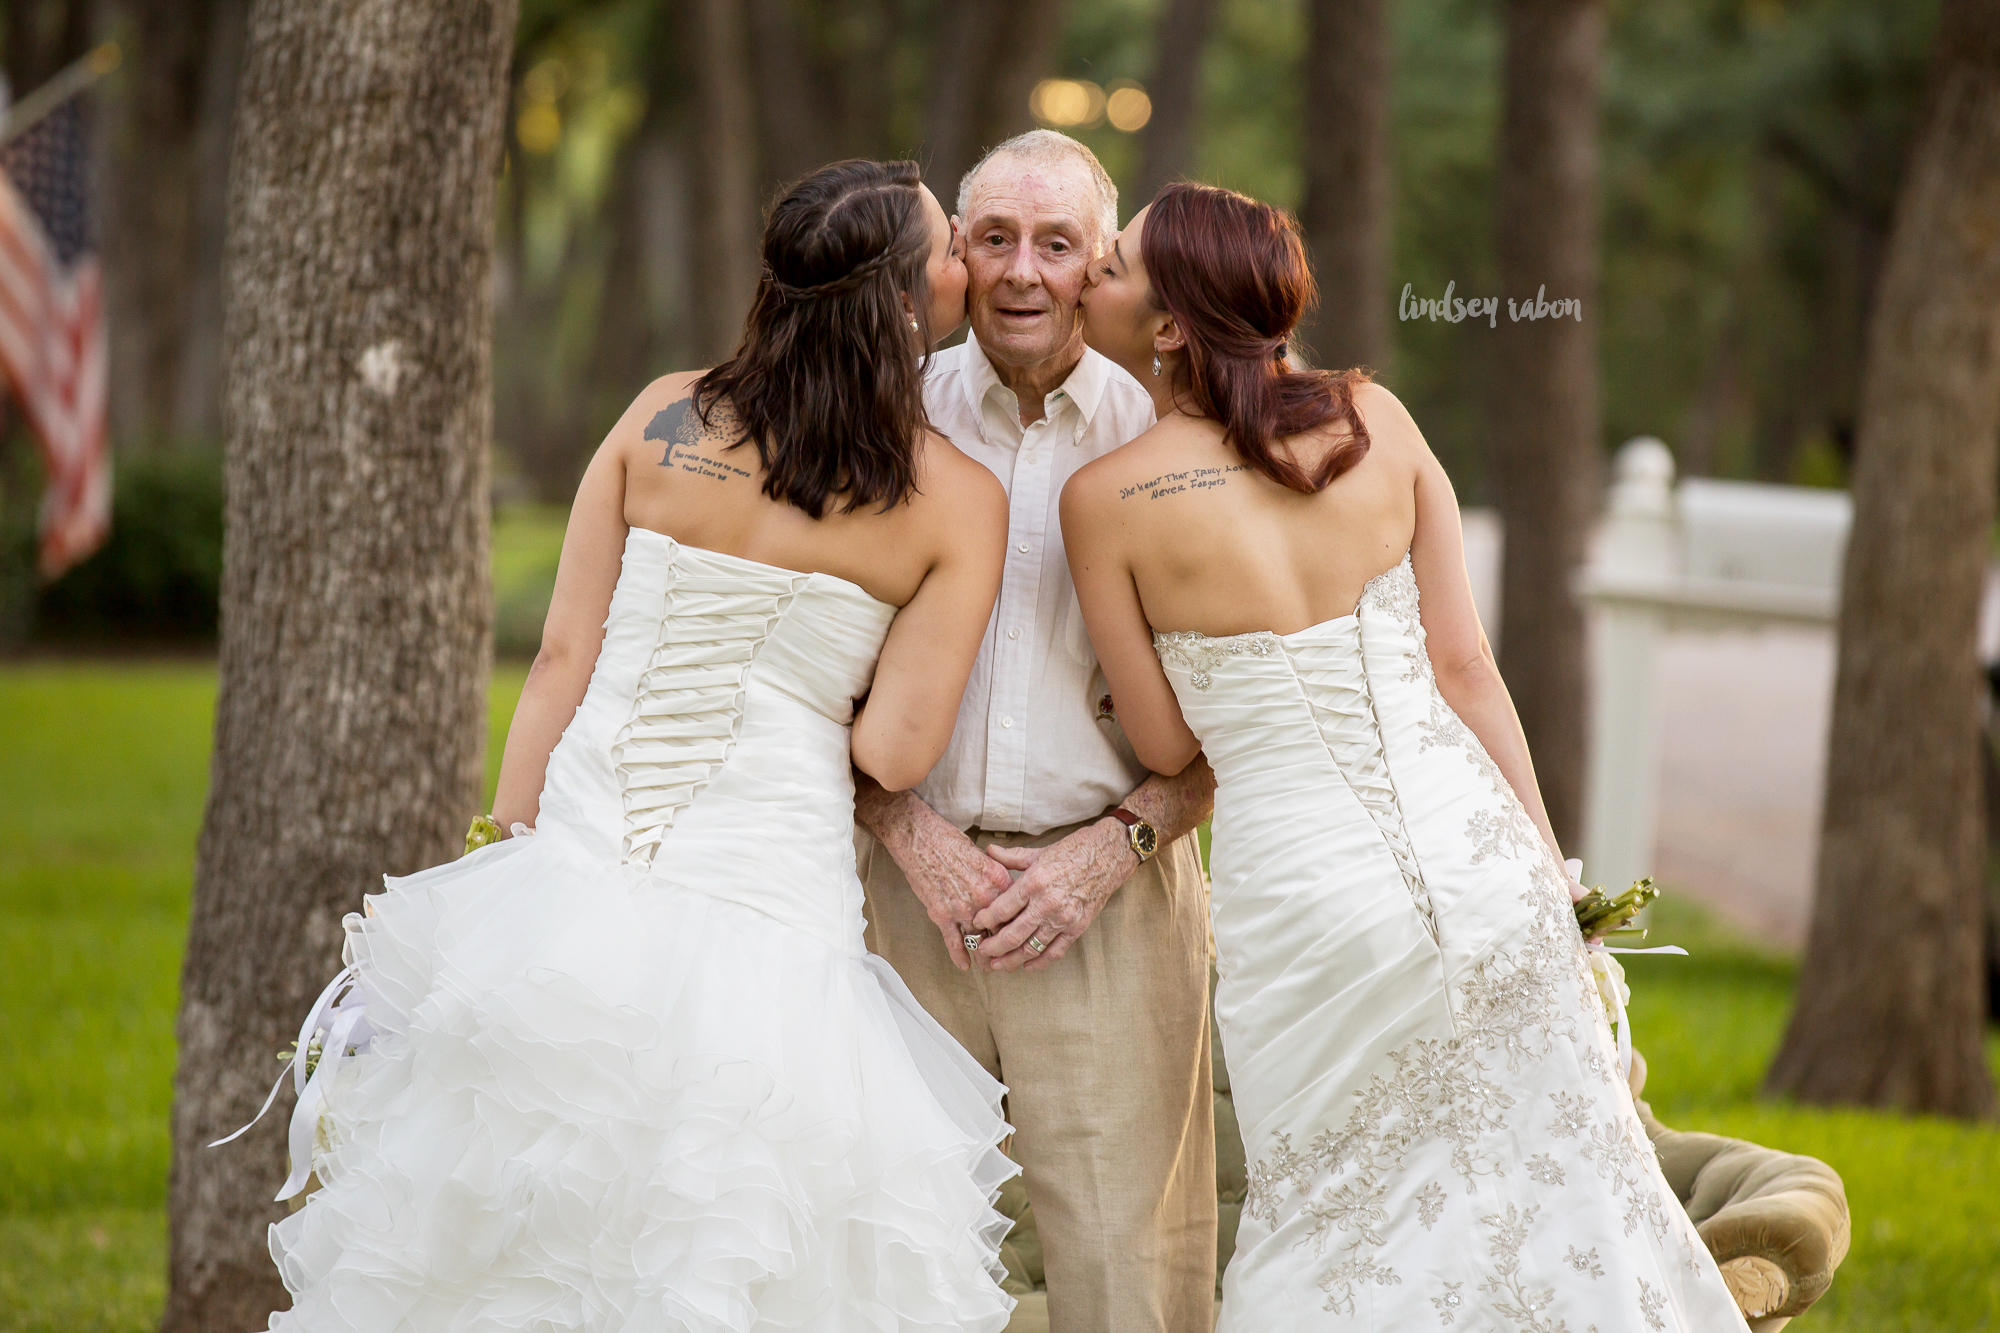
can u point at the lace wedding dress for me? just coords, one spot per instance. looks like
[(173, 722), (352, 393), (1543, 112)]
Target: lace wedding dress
[(635, 1073), (1437, 1131)]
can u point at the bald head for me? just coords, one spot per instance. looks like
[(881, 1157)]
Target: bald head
[(1051, 160)]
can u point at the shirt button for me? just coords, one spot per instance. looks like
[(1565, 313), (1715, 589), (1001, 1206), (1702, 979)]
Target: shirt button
[(1014, 633), (1022, 548), (1006, 721)]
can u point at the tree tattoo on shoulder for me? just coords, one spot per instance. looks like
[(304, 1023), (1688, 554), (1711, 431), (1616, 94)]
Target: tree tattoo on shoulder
[(682, 430)]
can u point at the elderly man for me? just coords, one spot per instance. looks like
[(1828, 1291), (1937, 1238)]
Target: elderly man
[(1083, 983)]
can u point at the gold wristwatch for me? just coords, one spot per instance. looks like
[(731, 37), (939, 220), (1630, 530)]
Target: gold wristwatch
[(1140, 836)]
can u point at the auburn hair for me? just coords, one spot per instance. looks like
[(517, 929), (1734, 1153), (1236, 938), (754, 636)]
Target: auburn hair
[(1233, 274), (825, 383)]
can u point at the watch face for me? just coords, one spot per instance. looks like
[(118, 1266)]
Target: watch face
[(1145, 840)]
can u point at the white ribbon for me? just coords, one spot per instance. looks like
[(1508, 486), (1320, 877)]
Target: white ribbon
[(343, 1017), (1574, 868), (1624, 1024)]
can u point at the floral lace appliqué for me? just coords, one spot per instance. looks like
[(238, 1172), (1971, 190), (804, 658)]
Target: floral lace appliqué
[(1200, 654)]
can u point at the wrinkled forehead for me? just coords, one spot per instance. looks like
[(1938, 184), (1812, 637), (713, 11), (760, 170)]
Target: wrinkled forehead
[(1033, 196)]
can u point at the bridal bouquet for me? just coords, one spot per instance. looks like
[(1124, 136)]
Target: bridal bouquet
[(1600, 917)]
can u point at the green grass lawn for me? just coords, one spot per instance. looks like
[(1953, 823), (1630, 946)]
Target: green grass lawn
[(102, 772)]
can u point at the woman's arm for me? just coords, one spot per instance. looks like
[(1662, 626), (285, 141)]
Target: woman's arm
[(1148, 712), (902, 729), (593, 548), (1467, 676)]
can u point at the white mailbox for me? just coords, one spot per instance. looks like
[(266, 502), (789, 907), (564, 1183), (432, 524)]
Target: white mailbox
[(1704, 554)]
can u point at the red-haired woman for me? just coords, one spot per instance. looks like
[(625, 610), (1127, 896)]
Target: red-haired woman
[(1427, 1083)]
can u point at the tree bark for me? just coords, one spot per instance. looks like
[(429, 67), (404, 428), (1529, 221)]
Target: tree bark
[(990, 55), (41, 37), (725, 255), (198, 396), (160, 112), (1166, 145), (1547, 457), (797, 120), (1346, 211), (355, 599), (1890, 997)]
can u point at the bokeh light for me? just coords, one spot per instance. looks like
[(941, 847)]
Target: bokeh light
[(1128, 107), (539, 127), (1067, 103)]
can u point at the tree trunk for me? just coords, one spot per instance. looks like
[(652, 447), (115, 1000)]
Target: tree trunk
[(355, 602), (1547, 457), (725, 254), (797, 122), (41, 37), (990, 55), (1346, 212), (152, 191), (198, 398), (1166, 145), (1889, 1009)]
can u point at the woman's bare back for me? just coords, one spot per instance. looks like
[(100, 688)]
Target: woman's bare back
[(683, 478), (1218, 548)]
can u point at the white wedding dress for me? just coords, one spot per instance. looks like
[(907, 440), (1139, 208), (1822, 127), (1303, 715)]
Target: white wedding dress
[(636, 1073), (1428, 1090)]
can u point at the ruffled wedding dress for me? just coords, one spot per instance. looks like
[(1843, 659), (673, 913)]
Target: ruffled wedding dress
[(636, 1073), (1437, 1131)]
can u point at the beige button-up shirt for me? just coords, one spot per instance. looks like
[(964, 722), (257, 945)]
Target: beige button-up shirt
[(1035, 746)]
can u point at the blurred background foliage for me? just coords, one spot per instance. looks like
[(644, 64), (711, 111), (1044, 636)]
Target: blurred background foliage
[(1751, 154)]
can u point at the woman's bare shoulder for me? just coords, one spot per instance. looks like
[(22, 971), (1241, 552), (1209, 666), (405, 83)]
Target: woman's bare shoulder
[(661, 415), (952, 485), (1147, 461), (1385, 416)]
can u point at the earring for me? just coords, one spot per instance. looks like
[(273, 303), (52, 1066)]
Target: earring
[(913, 327), (1156, 365)]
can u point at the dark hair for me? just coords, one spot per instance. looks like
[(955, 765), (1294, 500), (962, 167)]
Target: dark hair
[(1233, 274), (824, 383)]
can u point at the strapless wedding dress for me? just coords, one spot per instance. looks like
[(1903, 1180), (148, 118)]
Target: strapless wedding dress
[(636, 1073), (1437, 1131)]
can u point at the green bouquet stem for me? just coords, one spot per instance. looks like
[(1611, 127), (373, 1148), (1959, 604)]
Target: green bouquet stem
[(1598, 915)]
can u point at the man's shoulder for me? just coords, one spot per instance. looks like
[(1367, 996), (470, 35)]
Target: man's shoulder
[(949, 362), (1124, 408), (944, 383)]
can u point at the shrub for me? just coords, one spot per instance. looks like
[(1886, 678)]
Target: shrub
[(159, 576)]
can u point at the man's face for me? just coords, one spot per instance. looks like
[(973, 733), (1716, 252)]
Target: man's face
[(1027, 251)]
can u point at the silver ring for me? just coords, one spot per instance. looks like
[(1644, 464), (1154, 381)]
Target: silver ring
[(1036, 944), (972, 943)]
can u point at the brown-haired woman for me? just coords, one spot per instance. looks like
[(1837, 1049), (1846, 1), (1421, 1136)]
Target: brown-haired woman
[(1428, 1087), (637, 1070)]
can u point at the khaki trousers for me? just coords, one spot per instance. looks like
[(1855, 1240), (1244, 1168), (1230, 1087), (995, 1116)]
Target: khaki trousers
[(1106, 1061)]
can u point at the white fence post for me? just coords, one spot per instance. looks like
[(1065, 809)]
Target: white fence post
[(1638, 546)]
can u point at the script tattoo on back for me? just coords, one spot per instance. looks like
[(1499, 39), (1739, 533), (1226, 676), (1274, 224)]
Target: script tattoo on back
[(681, 428), (1177, 483)]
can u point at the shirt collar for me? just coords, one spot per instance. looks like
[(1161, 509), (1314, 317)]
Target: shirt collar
[(1084, 388)]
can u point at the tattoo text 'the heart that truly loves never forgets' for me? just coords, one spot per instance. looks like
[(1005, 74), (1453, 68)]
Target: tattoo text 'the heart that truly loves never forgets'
[(1177, 483)]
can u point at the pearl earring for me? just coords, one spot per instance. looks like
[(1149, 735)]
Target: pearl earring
[(913, 327), (1156, 365)]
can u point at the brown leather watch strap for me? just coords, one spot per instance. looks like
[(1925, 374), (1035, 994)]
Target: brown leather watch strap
[(1125, 817)]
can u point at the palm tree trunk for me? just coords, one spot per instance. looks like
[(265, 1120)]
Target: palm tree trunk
[(1890, 1008), (355, 603), (1346, 213), (1547, 456)]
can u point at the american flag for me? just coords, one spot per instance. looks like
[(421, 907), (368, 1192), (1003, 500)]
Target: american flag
[(52, 329)]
